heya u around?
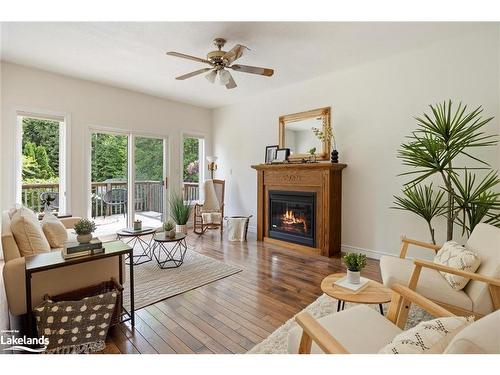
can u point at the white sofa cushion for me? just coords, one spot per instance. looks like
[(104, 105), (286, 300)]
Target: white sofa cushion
[(360, 329), (430, 337), (28, 233), (54, 231), (430, 283), (481, 337), (456, 256)]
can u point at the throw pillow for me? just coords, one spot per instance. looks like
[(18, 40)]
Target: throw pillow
[(456, 256), (54, 230), (430, 337), (28, 233)]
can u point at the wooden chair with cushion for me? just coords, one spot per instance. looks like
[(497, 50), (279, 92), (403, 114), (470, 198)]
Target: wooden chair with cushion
[(480, 296), (363, 330), (210, 217)]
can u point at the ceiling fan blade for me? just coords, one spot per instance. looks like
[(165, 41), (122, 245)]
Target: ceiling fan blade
[(189, 57), (253, 70), (235, 53), (192, 74), (231, 84)]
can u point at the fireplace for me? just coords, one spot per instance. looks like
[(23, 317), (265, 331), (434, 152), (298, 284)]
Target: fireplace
[(292, 217)]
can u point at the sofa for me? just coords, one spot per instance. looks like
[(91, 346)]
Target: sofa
[(50, 282)]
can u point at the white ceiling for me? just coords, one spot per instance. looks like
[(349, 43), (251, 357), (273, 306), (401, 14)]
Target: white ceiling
[(132, 55)]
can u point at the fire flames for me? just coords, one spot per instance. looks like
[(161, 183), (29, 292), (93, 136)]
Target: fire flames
[(289, 218)]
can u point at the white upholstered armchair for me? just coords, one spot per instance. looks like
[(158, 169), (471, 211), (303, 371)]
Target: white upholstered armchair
[(480, 296)]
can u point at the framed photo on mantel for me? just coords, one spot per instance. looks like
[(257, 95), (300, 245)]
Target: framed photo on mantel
[(271, 153), (282, 155)]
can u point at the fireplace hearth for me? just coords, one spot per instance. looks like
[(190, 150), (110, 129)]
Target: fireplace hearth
[(292, 216)]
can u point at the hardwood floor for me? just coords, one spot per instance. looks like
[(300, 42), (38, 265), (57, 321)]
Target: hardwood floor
[(233, 314)]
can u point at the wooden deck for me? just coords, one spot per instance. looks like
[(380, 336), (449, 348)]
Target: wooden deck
[(233, 314)]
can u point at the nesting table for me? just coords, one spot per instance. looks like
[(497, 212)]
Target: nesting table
[(132, 238), (373, 293), (169, 252)]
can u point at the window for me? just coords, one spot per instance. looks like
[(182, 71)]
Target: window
[(193, 166), (42, 163)]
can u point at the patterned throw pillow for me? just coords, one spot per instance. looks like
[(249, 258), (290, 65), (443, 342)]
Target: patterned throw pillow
[(76, 326), (430, 337), (456, 256)]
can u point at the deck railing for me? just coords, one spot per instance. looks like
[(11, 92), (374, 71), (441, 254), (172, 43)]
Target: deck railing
[(149, 196)]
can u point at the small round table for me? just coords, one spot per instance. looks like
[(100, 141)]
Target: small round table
[(373, 293), (134, 238), (169, 258)]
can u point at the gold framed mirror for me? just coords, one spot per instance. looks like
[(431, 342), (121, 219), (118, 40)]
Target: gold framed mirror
[(295, 133)]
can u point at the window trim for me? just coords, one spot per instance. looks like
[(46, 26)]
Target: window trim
[(64, 120)]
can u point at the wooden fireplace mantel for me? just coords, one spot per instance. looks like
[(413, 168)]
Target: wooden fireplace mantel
[(325, 179)]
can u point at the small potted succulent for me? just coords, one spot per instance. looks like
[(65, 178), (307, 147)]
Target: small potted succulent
[(84, 229), (354, 263), (312, 155), (169, 228)]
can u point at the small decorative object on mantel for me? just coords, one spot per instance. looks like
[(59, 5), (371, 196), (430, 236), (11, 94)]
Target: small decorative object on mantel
[(327, 135), (169, 228), (137, 225), (84, 229), (335, 156), (271, 153), (282, 155), (354, 263), (312, 155)]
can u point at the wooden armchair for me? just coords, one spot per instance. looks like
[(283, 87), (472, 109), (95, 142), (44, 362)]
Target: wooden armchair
[(199, 226), (362, 330), (343, 337), (480, 297)]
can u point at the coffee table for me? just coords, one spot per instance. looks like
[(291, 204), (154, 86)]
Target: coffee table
[(133, 238), (373, 293), (169, 257)]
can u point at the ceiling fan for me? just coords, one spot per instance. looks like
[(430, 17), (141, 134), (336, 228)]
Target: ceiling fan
[(220, 61)]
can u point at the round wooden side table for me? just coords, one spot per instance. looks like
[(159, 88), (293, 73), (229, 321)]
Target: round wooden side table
[(373, 293), (169, 257)]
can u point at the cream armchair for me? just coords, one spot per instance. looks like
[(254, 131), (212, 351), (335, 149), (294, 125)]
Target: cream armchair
[(362, 330), (480, 297)]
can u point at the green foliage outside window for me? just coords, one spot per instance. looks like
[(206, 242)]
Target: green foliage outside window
[(191, 161)]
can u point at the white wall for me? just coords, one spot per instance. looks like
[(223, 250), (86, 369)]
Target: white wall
[(372, 108), (87, 103)]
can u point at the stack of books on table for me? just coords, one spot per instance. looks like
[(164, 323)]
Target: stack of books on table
[(75, 249)]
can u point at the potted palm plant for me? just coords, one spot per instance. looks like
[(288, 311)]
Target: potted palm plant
[(169, 228), (180, 212), (354, 263), (84, 229)]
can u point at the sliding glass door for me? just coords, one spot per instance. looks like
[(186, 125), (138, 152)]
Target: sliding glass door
[(128, 181), (109, 181), (150, 182)]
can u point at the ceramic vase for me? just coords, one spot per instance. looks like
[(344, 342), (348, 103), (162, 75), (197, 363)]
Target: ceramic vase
[(353, 276), (335, 156), (181, 228), (84, 238)]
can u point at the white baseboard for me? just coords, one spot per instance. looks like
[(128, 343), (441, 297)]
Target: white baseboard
[(373, 254)]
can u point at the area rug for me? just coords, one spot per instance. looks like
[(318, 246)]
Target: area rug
[(277, 342), (153, 284)]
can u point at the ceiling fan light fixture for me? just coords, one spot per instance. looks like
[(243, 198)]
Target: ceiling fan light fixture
[(224, 77), (211, 76)]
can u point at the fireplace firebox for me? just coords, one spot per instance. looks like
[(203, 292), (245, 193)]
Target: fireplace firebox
[(292, 217)]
